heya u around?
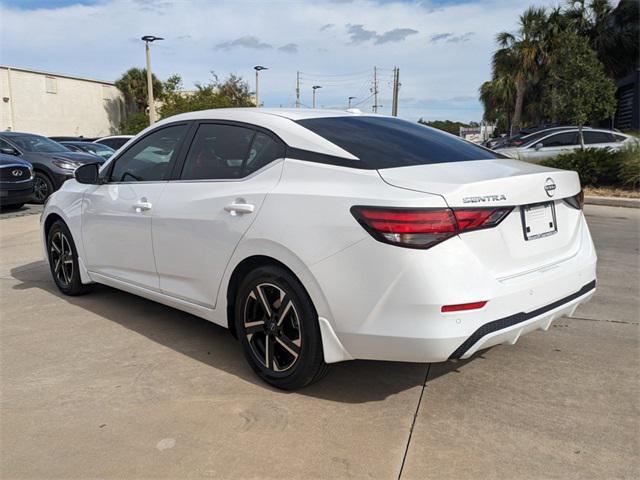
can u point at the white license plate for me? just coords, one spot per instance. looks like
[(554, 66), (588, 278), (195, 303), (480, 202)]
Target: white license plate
[(538, 220)]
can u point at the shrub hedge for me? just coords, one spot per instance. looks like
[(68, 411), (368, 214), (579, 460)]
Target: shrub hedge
[(602, 168)]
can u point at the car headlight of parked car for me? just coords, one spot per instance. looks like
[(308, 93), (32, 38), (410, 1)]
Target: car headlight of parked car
[(66, 164)]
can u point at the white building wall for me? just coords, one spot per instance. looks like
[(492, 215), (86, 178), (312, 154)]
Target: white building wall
[(51, 104)]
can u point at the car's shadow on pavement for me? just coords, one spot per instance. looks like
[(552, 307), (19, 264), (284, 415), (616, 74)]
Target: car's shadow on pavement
[(350, 382)]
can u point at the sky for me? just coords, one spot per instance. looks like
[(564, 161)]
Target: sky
[(442, 47)]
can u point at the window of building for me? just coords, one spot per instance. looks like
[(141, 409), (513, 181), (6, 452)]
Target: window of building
[(51, 84)]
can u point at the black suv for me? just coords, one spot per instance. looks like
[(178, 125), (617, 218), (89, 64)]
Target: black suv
[(16, 181), (53, 163)]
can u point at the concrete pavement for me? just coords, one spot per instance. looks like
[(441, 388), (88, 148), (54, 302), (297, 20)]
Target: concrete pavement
[(110, 385)]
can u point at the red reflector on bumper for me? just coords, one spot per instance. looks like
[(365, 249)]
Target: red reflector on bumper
[(463, 306)]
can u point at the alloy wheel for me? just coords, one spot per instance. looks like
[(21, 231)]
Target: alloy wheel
[(40, 189), (272, 326), (61, 258)]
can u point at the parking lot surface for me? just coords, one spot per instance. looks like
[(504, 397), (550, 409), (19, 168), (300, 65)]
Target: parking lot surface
[(110, 385)]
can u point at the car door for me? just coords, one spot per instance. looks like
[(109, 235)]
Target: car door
[(207, 208), (117, 215), (552, 146)]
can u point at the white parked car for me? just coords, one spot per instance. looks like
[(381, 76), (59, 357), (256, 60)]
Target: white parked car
[(114, 141), (322, 236), (551, 143)]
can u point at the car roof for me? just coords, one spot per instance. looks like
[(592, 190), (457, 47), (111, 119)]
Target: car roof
[(281, 121), (546, 134), (22, 134), (264, 113), (97, 140)]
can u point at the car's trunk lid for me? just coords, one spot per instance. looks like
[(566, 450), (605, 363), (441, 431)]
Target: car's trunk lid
[(504, 249)]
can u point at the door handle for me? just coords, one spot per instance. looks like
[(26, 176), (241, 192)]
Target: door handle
[(239, 207), (142, 206)]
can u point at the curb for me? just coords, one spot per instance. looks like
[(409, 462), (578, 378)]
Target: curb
[(613, 201)]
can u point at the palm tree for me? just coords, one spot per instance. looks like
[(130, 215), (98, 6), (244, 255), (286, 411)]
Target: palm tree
[(133, 85), (528, 46), (498, 94), (612, 31)]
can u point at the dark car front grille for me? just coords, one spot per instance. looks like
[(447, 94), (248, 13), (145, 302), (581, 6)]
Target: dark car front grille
[(14, 174)]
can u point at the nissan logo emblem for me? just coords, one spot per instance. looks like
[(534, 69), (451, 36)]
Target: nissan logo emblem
[(550, 187), (16, 173)]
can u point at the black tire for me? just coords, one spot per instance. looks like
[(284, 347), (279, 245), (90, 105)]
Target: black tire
[(291, 331), (63, 260), (42, 188)]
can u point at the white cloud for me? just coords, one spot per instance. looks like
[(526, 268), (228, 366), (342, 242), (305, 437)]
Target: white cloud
[(101, 41), (289, 48), (248, 41)]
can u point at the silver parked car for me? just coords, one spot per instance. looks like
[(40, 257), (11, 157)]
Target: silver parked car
[(551, 143)]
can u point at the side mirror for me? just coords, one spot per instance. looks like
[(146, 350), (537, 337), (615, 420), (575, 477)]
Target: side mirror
[(9, 151), (88, 174), (538, 146)]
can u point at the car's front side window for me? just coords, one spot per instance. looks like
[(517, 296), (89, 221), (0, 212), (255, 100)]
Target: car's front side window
[(217, 152), (149, 159)]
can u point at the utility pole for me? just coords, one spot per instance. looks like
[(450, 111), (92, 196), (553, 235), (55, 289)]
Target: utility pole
[(257, 68), (375, 89), (396, 89), (298, 89), (314, 88), (351, 98), (147, 39)]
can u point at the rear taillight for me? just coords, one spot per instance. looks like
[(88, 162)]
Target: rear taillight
[(577, 201), (424, 227)]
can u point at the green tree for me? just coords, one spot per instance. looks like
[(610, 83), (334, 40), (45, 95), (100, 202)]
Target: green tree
[(613, 32), (133, 85), (528, 49), (134, 123), (447, 125), (498, 94), (233, 92), (578, 86)]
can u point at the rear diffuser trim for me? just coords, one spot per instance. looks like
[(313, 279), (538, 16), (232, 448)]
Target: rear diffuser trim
[(515, 319)]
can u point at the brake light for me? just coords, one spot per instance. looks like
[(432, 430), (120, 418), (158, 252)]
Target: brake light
[(463, 306), (424, 227), (577, 201)]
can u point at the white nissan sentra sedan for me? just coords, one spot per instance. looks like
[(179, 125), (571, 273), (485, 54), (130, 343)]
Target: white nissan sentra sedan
[(322, 236)]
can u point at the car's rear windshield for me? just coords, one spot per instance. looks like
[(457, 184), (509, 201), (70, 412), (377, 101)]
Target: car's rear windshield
[(381, 142)]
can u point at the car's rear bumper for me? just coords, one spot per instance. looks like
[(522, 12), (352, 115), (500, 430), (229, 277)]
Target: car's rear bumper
[(391, 309), (509, 329)]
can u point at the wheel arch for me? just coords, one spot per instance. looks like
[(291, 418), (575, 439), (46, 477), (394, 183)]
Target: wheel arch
[(333, 349), (68, 212), (245, 266), (50, 219)]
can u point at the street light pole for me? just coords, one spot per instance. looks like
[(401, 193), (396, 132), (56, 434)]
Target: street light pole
[(257, 68), (314, 88), (351, 98), (152, 111)]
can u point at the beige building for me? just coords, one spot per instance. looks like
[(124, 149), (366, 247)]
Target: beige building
[(53, 104)]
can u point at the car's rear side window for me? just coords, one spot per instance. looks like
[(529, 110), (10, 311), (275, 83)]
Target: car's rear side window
[(381, 142)]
